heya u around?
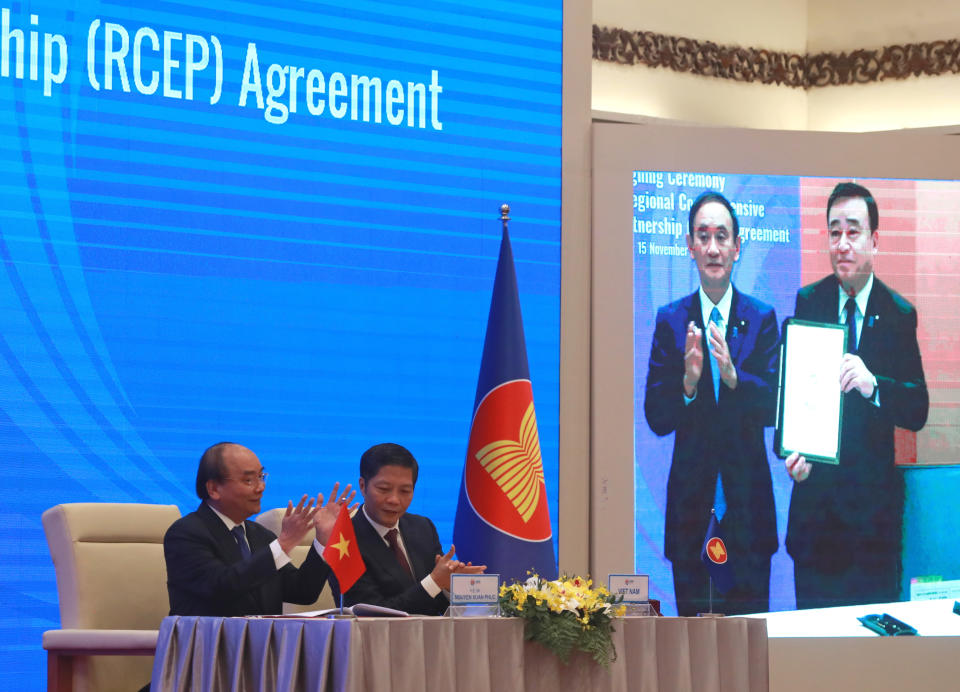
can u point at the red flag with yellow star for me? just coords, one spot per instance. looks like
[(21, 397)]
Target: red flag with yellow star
[(342, 553)]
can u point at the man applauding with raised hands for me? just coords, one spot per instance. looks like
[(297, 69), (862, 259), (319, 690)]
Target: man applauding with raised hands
[(220, 563)]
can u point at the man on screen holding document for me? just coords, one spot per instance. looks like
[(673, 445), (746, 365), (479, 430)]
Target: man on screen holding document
[(406, 566), (844, 530), (219, 563), (711, 381)]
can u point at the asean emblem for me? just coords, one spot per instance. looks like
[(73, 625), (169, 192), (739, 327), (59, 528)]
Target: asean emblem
[(716, 550), (504, 470)]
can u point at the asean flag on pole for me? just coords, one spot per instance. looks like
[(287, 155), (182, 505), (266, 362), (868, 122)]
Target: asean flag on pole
[(342, 553), (502, 516), (714, 556)]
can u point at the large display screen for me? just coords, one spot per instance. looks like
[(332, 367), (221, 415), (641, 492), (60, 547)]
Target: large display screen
[(275, 224), (784, 245)]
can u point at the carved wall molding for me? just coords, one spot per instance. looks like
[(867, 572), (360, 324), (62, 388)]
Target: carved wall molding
[(739, 64)]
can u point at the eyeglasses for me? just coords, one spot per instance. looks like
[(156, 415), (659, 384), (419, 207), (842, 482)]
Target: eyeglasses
[(251, 481)]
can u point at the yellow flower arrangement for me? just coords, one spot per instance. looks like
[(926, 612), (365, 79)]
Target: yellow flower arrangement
[(565, 614)]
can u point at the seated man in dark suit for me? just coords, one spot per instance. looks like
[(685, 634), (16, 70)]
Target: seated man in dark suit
[(218, 563), (406, 569)]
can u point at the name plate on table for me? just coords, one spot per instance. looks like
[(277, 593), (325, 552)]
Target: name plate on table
[(474, 595), (474, 589), (928, 589), (635, 589)]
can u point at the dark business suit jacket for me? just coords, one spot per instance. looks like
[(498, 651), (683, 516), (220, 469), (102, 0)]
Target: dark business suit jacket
[(386, 583), (711, 435), (206, 575), (859, 503)]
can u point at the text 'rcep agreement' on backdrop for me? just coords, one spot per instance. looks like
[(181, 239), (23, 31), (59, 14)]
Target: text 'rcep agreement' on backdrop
[(275, 224)]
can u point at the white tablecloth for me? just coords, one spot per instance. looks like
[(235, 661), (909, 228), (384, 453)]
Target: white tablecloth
[(463, 654)]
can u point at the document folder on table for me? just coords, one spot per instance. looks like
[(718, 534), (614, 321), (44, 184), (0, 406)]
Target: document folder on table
[(360, 610)]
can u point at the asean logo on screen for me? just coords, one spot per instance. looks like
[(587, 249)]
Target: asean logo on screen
[(716, 550), (504, 471)]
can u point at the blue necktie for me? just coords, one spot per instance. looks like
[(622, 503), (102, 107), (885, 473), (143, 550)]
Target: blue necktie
[(719, 501), (714, 368), (851, 309), (241, 537)]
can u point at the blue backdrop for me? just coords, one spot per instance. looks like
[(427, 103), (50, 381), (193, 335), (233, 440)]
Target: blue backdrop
[(275, 224)]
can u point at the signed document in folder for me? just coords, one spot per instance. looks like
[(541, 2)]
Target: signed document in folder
[(810, 404)]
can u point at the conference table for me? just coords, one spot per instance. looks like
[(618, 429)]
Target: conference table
[(465, 654)]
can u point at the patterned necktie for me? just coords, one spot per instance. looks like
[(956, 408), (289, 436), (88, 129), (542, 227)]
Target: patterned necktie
[(719, 500), (393, 540), (241, 537), (851, 310)]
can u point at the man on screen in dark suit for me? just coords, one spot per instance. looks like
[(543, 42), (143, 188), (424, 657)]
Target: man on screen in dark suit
[(219, 563), (711, 381), (844, 530), (406, 566)]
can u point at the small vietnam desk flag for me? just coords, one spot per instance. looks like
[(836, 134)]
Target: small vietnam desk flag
[(342, 553)]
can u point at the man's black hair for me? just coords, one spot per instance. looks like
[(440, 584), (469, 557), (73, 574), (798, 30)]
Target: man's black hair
[(713, 196), (851, 189), (210, 467), (386, 454)]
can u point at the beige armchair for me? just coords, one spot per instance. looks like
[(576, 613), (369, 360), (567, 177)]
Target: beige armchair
[(272, 519), (112, 584)]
